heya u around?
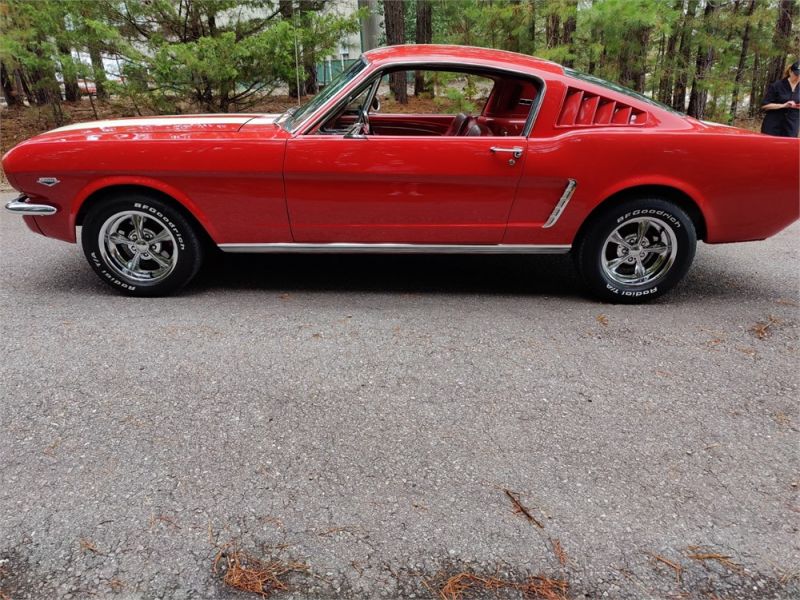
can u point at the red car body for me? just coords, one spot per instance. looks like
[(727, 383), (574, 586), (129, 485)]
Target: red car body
[(250, 183)]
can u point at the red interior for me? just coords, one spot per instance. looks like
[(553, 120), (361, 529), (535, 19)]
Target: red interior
[(504, 114)]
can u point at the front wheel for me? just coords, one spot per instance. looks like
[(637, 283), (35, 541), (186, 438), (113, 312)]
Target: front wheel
[(140, 245), (636, 250)]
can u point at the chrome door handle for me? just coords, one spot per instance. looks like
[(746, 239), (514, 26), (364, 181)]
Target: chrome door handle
[(516, 150)]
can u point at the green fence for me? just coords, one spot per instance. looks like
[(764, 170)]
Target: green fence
[(328, 70)]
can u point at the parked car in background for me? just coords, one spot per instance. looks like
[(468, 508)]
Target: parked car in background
[(87, 87), (551, 161)]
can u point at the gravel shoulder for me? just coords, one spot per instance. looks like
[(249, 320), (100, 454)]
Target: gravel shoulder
[(364, 415)]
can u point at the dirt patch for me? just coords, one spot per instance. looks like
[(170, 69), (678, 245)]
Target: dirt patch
[(12, 575)]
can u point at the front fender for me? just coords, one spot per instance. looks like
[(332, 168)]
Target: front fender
[(143, 182)]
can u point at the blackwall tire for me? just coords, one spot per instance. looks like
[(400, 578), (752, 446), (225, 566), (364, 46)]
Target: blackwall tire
[(141, 245), (636, 250)]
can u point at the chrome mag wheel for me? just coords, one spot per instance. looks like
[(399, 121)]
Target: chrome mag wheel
[(138, 247), (639, 251)]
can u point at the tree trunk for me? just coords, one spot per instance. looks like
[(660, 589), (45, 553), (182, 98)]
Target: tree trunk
[(423, 35), (309, 53), (286, 8), (781, 39), (532, 26), (297, 87), (737, 81), (394, 20), (9, 93), (568, 32), (552, 29), (99, 71), (512, 35), (642, 37), (310, 66), (659, 68), (755, 87), (370, 25), (45, 85), (22, 84), (682, 66), (632, 58), (705, 58), (668, 64), (72, 92)]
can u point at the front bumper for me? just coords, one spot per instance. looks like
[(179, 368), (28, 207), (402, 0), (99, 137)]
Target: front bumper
[(20, 206)]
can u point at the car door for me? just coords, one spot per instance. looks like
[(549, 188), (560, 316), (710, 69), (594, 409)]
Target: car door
[(401, 189)]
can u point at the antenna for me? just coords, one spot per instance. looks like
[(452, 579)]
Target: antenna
[(296, 59)]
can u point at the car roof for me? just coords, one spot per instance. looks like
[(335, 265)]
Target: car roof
[(485, 57)]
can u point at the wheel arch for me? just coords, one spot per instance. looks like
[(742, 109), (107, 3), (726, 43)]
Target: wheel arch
[(666, 192), (100, 191)]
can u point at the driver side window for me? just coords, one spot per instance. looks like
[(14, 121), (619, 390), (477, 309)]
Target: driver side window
[(438, 102)]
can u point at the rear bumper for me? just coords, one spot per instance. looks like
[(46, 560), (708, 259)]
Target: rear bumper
[(21, 206)]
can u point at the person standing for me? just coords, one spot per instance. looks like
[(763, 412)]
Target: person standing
[(782, 104)]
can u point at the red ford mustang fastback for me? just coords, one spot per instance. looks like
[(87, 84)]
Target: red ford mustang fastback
[(548, 160)]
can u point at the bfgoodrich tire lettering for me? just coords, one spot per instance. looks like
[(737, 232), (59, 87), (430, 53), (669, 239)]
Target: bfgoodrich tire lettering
[(140, 245), (636, 250)]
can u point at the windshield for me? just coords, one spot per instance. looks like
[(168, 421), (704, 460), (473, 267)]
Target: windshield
[(297, 115), (617, 88)]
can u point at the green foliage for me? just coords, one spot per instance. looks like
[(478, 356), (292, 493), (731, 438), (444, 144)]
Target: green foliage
[(215, 54), (625, 40), (29, 42), (454, 100), (220, 55)]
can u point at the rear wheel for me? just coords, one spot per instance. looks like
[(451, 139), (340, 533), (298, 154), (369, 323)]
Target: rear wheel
[(636, 250), (141, 246)]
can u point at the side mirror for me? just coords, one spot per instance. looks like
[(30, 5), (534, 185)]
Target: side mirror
[(356, 132), (376, 103), (361, 127)]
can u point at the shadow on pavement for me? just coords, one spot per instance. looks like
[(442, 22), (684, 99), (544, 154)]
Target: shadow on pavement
[(452, 274), (542, 275)]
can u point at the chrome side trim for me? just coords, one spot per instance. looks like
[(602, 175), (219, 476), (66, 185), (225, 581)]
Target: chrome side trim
[(348, 248), (561, 204), (19, 206)]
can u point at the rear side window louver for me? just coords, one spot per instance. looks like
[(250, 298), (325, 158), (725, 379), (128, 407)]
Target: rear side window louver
[(584, 109)]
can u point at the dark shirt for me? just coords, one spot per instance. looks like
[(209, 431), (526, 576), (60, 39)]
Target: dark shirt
[(784, 122)]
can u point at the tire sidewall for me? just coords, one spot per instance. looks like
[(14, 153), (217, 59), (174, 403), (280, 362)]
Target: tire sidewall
[(592, 248), (189, 248)]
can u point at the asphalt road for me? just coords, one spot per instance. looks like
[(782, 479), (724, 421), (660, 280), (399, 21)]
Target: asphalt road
[(364, 415)]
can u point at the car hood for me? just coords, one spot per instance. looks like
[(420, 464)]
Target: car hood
[(211, 123), (28, 155)]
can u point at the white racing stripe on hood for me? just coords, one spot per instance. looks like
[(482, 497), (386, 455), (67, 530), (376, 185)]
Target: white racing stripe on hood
[(263, 120), (157, 122)]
